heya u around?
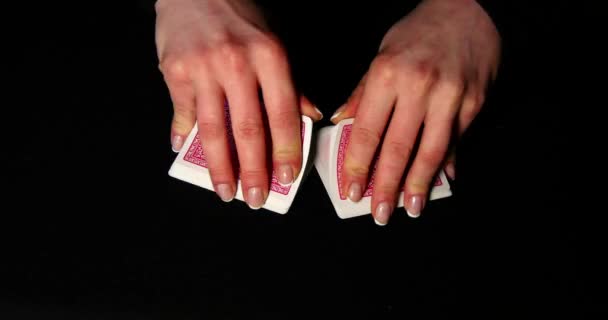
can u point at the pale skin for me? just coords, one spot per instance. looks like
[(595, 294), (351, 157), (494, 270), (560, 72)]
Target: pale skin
[(212, 50), (431, 71)]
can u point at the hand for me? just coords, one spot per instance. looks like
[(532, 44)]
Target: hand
[(431, 73), (212, 50)]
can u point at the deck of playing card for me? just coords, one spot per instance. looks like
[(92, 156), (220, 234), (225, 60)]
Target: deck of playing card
[(329, 158), (190, 166)]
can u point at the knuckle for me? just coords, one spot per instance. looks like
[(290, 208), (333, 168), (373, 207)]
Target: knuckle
[(253, 174), (183, 109), (211, 130), (286, 153), (268, 48), (182, 125), (470, 112), (174, 69), (284, 119), (443, 118), (221, 172), (249, 129), (385, 190), (431, 157), (357, 170), (384, 69), (233, 55), (390, 169), (454, 86), (398, 148), (417, 186), (200, 55), (365, 136), (424, 72)]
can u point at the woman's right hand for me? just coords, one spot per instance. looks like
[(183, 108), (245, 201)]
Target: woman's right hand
[(211, 51)]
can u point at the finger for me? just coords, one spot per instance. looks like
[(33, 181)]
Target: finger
[(372, 114), (349, 109), (433, 146), (184, 116), (212, 131), (248, 129), (182, 95), (308, 109), (395, 153), (282, 110), (471, 105), (450, 165)]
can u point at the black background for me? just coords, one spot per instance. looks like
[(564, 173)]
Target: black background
[(95, 228)]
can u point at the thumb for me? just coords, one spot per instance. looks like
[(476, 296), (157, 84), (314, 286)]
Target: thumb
[(349, 109), (308, 109)]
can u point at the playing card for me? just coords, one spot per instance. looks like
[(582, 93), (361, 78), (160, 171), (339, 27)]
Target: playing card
[(190, 166), (329, 159)]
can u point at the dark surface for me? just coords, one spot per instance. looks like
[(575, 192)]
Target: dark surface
[(101, 231)]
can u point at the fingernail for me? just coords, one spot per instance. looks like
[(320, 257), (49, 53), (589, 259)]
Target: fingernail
[(415, 206), (338, 112), (255, 198), (319, 112), (224, 191), (285, 175), (177, 143), (383, 211), (354, 192)]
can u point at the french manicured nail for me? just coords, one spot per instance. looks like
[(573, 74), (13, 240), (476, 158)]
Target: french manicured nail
[(285, 175), (177, 143), (338, 112), (225, 192), (415, 206), (255, 198), (354, 192), (320, 113), (383, 211)]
